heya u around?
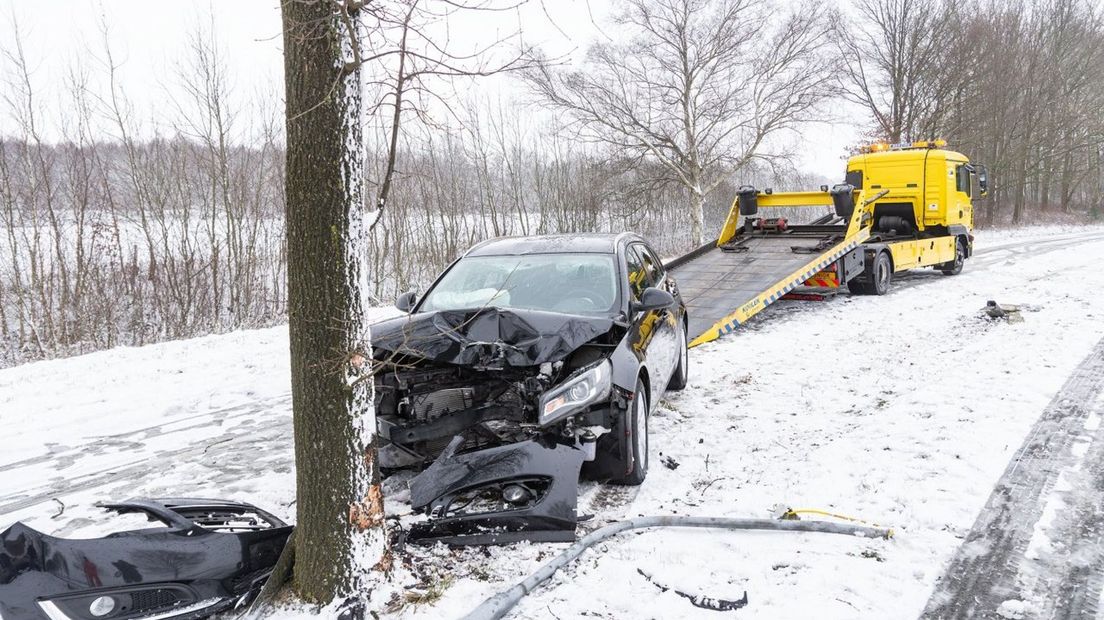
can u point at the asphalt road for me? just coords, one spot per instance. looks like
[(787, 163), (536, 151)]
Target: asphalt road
[(1037, 548)]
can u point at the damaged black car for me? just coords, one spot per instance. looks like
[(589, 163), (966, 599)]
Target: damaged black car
[(204, 557), (527, 360)]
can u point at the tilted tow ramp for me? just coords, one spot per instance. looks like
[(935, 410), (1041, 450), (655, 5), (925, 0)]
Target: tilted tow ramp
[(756, 263)]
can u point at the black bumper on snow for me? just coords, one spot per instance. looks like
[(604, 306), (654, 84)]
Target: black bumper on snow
[(546, 470), (210, 557)]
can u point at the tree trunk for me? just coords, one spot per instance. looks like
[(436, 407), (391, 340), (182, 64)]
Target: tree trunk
[(339, 529)]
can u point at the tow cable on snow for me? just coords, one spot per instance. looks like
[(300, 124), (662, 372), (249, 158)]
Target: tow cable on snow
[(500, 604)]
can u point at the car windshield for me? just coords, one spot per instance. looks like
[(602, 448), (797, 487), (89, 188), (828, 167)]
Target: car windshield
[(569, 283)]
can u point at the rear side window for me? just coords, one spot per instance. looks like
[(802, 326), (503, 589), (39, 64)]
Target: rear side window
[(962, 178), (638, 273), (854, 178), (652, 265)]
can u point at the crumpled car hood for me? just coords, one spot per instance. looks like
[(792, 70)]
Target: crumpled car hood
[(489, 337)]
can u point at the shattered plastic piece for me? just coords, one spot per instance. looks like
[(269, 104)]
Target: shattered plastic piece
[(210, 556), (670, 463), (465, 495), (1010, 313), (698, 600)]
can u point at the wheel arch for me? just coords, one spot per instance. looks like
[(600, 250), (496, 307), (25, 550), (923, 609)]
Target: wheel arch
[(961, 232), (644, 378), (889, 257)]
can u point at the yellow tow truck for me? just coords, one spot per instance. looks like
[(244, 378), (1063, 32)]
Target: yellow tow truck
[(901, 207)]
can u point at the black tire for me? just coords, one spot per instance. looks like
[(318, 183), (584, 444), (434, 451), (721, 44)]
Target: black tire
[(875, 279), (682, 371), (954, 267), (857, 286), (638, 438)]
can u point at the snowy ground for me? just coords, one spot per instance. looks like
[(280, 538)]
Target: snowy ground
[(900, 410)]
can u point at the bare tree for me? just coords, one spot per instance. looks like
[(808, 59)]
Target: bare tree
[(699, 86), (416, 72), (893, 62)]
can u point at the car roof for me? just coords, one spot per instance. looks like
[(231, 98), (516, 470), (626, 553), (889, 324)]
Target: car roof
[(579, 243)]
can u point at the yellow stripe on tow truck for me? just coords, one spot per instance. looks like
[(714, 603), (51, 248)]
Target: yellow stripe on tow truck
[(769, 296)]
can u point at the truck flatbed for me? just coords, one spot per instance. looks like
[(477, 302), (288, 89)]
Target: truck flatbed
[(725, 286)]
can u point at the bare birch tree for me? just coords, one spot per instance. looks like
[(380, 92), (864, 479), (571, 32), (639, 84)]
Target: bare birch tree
[(698, 86)]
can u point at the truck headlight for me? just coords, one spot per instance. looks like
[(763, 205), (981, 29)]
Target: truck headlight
[(575, 394)]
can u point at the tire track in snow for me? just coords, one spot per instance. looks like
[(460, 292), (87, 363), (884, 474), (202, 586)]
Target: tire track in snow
[(244, 434), (992, 255), (1073, 579), (990, 567)]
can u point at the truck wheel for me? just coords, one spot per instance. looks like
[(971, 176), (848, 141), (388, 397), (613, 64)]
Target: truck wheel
[(881, 274), (679, 379), (638, 438), (954, 267), (875, 279)]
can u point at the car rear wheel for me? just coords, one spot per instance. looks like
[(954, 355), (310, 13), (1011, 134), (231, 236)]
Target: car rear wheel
[(637, 423), (681, 376)]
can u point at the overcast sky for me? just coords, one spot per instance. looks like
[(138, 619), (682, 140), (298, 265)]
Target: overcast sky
[(149, 39)]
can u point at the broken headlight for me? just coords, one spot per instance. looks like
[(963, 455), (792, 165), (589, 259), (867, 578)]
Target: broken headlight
[(575, 394)]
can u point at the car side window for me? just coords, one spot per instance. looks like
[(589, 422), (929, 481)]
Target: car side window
[(638, 273), (653, 266)]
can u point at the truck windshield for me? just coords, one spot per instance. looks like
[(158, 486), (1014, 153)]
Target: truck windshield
[(569, 283)]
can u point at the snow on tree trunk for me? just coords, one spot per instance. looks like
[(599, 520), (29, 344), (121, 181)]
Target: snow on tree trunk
[(340, 535)]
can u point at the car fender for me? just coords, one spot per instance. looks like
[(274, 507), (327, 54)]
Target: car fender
[(626, 365)]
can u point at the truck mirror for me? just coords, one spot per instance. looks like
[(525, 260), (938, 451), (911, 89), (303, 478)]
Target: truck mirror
[(983, 180)]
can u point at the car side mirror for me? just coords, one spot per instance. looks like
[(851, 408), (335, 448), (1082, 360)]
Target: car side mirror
[(406, 301), (653, 299)]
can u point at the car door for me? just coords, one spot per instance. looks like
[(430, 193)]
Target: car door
[(671, 333), (656, 334), (960, 208)]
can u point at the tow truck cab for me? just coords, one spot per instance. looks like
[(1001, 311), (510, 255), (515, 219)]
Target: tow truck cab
[(929, 188)]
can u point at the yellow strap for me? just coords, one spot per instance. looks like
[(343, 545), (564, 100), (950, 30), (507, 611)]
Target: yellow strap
[(815, 511)]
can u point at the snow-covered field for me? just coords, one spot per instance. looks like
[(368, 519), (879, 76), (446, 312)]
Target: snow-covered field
[(900, 410)]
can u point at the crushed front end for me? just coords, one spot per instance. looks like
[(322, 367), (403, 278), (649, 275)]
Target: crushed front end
[(504, 407), (209, 557)]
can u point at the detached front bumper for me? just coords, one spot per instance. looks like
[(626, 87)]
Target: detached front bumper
[(467, 496), (208, 557)]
